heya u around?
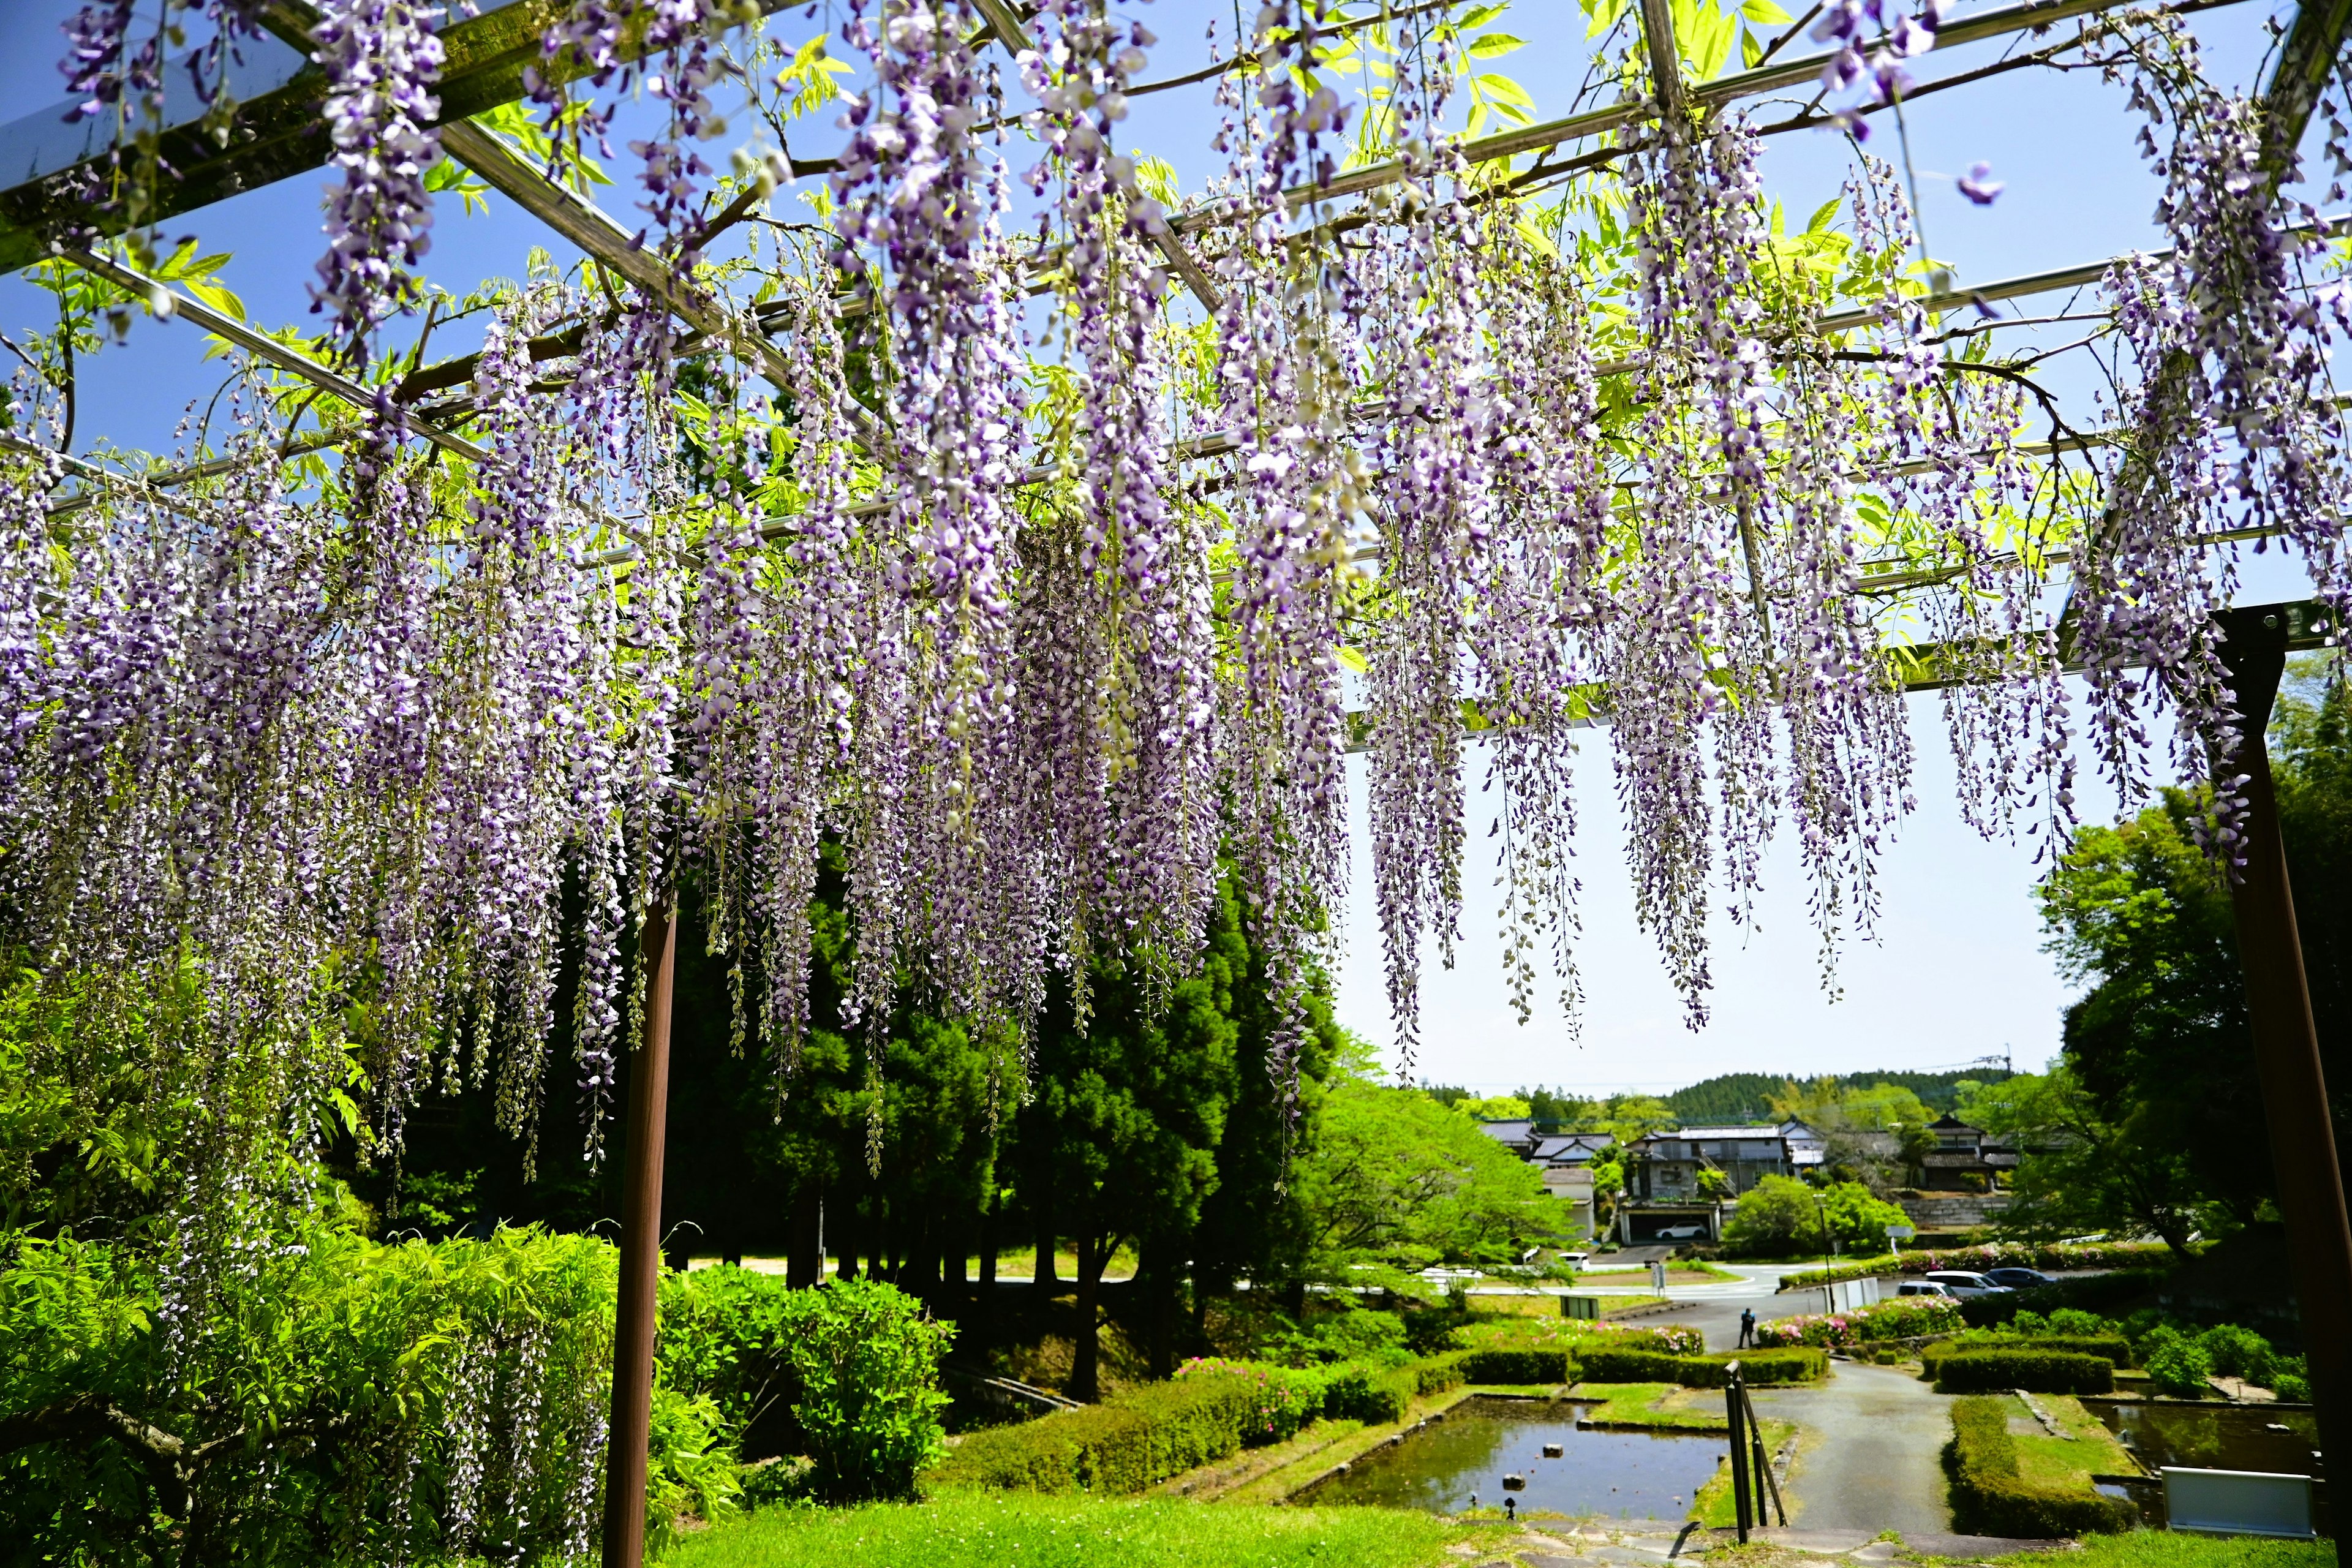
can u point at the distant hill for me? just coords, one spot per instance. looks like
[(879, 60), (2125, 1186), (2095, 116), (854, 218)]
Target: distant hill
[(1736, 1097)]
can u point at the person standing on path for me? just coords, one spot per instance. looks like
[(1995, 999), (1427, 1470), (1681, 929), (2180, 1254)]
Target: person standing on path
[(1747, 1327)]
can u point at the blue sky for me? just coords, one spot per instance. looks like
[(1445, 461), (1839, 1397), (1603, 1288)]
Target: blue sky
[(1957, 971)]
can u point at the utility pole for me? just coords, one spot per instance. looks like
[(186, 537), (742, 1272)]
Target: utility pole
[(2286, 1044), (640, 1281)]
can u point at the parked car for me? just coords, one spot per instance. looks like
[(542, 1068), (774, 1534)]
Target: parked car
[(1574, 1259), (1682, 1233), (1922, 1288), (1967, 1286), (2019, 1278)]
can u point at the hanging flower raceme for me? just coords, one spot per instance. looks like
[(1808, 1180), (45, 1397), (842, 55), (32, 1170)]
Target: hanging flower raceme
[(381, 60), (1116, 694), (2232, 419), (1427, 364), (1287, 362)]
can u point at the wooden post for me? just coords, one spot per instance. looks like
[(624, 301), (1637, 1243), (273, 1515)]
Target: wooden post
[(2286, 1044), (1734, 1409), (633, 1324)]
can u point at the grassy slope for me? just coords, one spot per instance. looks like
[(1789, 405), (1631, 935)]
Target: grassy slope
[(2088, 1449), (1012, 1531), (2162, 1549)]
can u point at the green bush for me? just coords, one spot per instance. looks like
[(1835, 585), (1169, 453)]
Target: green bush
[(1514, 1365), (1372, 1394), (1438, 1373), (866, 1358), (1978, 1369), (2089, 1294), (349, 1399), (1989, 1496), (2237, 1350), (1796, 1363), (2176, 1363), (1428, 1332)]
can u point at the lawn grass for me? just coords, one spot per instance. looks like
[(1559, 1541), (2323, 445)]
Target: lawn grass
[(1716, 1508), (1017, 1530), (2167, 1548), (1639, 1404), (2088, 1448)]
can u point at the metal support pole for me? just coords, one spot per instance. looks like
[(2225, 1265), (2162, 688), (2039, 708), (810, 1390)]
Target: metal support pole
[(1734, 1408), (640, 1283), (2286, 1044)]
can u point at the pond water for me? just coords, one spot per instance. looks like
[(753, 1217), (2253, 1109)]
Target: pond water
[(2214, 1438), (1621, 1475)]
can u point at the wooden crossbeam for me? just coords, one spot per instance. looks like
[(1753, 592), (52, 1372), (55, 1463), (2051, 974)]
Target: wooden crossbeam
[(2029, 16), (194, 311)]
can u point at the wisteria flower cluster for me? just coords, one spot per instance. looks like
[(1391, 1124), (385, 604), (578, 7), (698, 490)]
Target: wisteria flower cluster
[(381, 58)]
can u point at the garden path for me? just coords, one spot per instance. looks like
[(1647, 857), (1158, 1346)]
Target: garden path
[(1872, 1458)]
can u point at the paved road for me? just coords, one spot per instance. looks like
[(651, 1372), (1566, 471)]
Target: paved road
[(1874, 1458), (1711, 1309)]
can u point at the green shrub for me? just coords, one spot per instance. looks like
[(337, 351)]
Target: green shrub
[(1978, 1369), (1897, 1318), (481, 1367), (866, 1358), (1990, 1498), (2237, 1350), (1437, 1375), (1372, 1395), (2090, 1294), (2075, 1321), (1797, 1363), (2176, 1363), (1531, 1366), (1430, 1332)]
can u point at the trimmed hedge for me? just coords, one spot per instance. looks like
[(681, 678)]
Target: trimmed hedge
[(1796, 1363), (1518, 1366), (1132, 1439), (2114, 1349), (1208, 1413), (1436, 1375), (1990, 1498), (1993, 1255), (1975, 1369)]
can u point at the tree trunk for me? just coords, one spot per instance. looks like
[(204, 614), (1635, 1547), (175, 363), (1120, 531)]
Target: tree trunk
[(1157, 1278), (1083, 1382), (804, 1264), (1045, 1238), (841, 1225), (918, 1274), (987, 1250)]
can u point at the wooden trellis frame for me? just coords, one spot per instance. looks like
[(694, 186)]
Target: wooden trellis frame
[(279, 133)]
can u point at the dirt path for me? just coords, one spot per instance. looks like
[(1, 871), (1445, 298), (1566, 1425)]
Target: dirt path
[(1872, 1457)]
